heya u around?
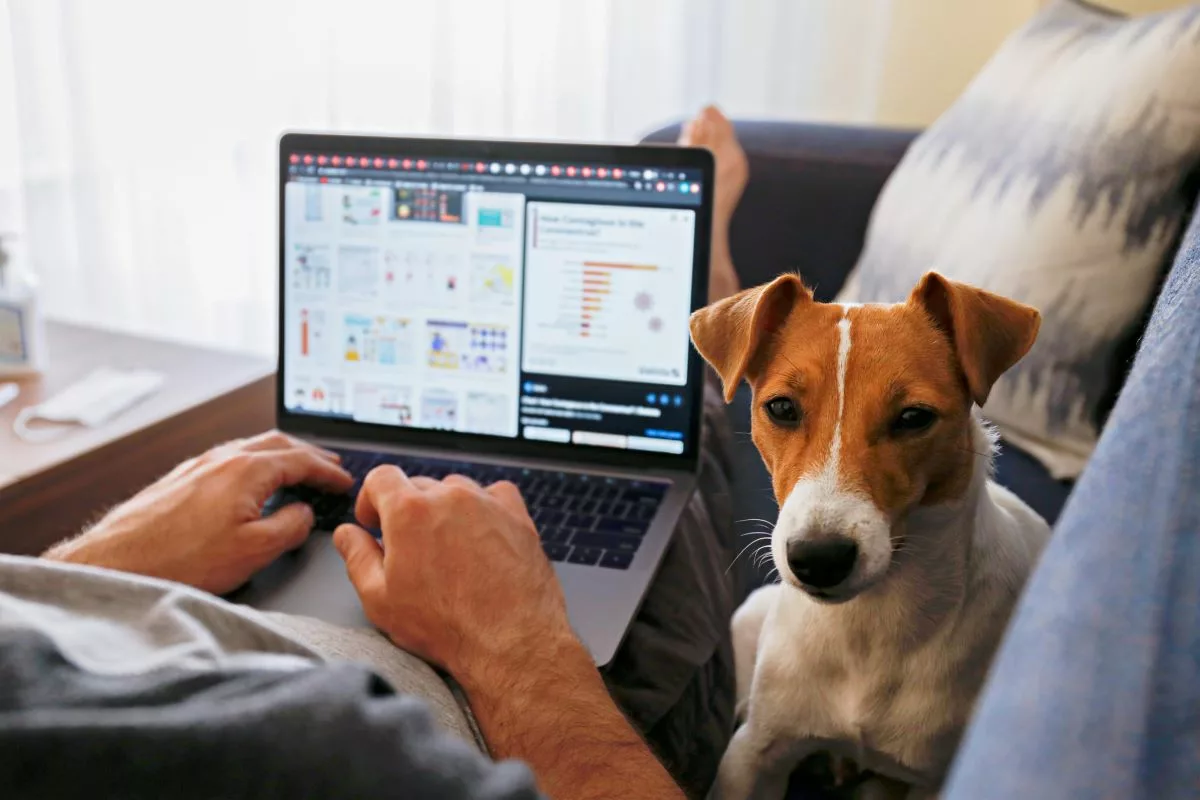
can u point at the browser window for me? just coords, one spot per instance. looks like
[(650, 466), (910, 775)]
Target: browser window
[(541, 301)]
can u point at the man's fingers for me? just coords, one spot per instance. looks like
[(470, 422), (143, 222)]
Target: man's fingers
[(269, 471), (277, 440), (460, 480), (509, 496), (284, 530), (364, 561), (382, 487)]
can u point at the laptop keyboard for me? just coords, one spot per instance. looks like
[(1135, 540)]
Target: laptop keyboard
[(582, 519)]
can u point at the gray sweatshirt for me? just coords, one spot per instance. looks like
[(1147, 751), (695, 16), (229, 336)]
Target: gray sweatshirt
[(114, 686)]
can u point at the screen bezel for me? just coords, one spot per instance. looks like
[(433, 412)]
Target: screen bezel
[(374, 433)]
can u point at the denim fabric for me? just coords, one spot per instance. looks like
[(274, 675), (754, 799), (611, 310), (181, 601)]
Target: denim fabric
[(1096, 691)]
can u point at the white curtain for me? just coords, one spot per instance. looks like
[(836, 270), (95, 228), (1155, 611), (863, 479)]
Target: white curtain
[(137, 136)]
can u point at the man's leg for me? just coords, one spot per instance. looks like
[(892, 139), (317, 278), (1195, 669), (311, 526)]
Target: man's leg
[(711, 129), (406, 673), (674, 676)]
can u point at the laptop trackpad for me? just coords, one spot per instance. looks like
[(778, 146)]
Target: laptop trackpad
[(310, 581)]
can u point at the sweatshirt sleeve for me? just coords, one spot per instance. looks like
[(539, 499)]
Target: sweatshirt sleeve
[(334, 731)]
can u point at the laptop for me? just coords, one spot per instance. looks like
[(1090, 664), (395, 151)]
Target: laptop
[(502, 310)]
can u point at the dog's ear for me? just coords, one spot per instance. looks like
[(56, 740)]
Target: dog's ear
[(730, 332), (989, 333)]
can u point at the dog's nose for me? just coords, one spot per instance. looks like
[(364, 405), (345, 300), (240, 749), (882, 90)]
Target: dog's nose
[(822, 563)]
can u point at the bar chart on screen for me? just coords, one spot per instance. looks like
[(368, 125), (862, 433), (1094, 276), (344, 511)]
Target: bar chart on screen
[(602, 296), (608, 292)]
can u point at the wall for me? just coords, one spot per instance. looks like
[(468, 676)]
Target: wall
[(935, 47)]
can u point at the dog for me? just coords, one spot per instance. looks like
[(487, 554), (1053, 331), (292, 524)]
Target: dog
[(900, 560)]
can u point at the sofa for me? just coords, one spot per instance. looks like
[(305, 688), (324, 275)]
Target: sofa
[(1096, 689)]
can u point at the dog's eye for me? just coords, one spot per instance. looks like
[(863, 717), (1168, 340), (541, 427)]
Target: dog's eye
[(913, 419), (783, 411)]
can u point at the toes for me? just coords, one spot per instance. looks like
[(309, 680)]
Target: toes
[(710, 128), (686, 136), (713, 114), (705, 129)]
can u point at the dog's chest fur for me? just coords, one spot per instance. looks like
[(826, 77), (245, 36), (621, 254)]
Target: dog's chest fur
[(863, 701), (889, 679)]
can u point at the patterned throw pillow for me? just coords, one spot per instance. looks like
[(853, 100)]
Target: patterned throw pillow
[(1060, 179)]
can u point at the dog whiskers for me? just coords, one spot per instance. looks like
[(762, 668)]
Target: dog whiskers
[(759, 537), (762, 554)]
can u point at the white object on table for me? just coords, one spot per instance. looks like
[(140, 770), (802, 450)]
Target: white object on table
[(92, 401)]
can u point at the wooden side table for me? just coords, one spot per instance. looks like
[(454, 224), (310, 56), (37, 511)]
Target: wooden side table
[(51, 490)]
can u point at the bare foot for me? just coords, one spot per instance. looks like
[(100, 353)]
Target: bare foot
[(713, 130)]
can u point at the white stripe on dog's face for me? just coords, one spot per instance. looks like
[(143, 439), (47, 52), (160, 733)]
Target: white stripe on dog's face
[(820, 504)]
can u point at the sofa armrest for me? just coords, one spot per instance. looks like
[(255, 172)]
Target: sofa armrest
[(811, 191)]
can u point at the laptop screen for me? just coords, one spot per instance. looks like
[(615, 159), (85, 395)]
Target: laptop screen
[(544, 300)]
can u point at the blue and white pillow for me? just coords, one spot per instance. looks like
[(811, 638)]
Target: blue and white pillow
[(1058, 179)]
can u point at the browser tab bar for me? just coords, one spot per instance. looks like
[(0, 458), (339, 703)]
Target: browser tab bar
[(632, 178)]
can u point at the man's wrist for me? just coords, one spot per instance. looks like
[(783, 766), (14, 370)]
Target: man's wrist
[(547, 705), (509, 670)]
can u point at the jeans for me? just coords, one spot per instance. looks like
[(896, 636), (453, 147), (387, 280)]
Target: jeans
[(1096, 690)]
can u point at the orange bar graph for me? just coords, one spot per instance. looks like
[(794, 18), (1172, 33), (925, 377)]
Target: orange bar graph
[(615, 265), (596, 283)]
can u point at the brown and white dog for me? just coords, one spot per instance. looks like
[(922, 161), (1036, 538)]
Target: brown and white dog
[(900, 560)]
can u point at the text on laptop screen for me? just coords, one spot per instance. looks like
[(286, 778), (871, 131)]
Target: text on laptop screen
[(530, 300)]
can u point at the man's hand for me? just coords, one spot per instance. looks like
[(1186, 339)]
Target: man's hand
[(461, 578), (202, 523)]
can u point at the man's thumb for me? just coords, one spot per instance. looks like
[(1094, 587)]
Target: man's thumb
[(363, 557)]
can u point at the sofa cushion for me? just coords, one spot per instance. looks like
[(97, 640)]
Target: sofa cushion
[(1028, 479), (1060, 178)]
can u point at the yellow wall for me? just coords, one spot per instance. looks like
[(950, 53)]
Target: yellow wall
[(935, 47), (933, 50)]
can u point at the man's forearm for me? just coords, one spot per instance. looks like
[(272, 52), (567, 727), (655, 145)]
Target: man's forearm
[(102, 547), (550, 709)]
